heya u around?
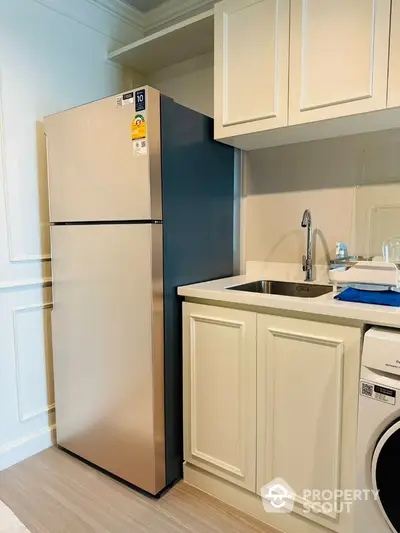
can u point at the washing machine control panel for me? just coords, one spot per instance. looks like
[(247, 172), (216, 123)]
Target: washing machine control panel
[(382, 350)]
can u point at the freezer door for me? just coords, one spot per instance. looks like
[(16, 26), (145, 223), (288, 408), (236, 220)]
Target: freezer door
[(108, 348), (95, 171)]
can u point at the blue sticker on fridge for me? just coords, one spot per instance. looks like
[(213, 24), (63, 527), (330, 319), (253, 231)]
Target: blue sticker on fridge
[(140, 100)]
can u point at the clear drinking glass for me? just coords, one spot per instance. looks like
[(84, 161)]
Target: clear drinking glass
[(391, 250)]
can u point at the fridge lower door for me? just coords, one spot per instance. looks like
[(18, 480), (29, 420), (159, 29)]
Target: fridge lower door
[(108, 348)]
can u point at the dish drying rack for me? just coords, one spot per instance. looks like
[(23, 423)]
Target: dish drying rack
[(363, 274)]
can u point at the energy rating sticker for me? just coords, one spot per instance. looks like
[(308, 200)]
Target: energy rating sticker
[(139, 128)]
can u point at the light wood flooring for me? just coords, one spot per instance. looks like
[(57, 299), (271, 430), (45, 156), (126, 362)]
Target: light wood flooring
[(53, 492)]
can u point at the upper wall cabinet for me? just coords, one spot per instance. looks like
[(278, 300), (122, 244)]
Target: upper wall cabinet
[(338, 58), (279, 83), (394, 57), (251, 65)]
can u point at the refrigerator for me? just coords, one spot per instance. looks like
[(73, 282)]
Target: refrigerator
[(141, 202)]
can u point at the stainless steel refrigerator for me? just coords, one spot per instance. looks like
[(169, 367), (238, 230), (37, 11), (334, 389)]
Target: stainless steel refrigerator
[(141, 201)]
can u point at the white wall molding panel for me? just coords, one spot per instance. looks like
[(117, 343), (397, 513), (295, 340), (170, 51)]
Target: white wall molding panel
[(26, 387), (14, 254), (33, 375)]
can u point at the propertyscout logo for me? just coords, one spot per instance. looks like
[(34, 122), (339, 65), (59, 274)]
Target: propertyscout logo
[(279, 497)]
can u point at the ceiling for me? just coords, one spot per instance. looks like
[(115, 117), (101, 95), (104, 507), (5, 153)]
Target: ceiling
[(144, 5)]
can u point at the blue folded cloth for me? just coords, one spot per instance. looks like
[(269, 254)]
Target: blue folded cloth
[(370, 297)]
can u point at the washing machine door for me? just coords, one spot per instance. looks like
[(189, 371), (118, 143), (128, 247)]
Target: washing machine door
[(386, 474)]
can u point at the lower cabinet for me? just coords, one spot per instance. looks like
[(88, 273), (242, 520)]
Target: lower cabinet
[(307, 399), (219, 392), (269, 397)]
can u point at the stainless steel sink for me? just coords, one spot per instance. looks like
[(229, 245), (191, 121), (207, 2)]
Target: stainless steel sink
[(284, 288)]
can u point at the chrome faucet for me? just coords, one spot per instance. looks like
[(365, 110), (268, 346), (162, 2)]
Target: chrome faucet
[(307, 259)]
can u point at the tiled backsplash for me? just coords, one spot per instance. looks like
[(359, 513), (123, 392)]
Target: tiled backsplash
[(350, 184)]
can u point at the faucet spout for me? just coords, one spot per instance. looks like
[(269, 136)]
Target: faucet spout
[(306, 222)]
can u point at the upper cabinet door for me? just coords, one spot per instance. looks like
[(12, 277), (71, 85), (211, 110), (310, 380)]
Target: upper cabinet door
[(338, 58), (251, 65), (394, 57)]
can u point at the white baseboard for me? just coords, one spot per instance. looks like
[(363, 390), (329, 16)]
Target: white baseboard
[(20, 449)]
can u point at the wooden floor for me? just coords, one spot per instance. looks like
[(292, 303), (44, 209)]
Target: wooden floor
[(55, 493)]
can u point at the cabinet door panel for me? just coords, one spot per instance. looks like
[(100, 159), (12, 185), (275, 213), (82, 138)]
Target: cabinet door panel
[(251, 64), (307, 390), (220, 397), (338, 58), (394, 57)]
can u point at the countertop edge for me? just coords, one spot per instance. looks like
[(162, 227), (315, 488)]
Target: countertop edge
[(324, 306)]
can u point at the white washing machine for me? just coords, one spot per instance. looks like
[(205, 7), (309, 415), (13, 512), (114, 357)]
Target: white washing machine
[(378, 448)]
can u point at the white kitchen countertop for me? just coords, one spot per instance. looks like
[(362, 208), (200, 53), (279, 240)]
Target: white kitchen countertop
[(323, 305)]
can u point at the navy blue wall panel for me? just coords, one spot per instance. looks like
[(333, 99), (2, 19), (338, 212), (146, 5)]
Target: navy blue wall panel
[(198, 202)]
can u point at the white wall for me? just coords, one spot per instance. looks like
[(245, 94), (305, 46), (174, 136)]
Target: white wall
[(351, 185), (190, 83), (50, 59)]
